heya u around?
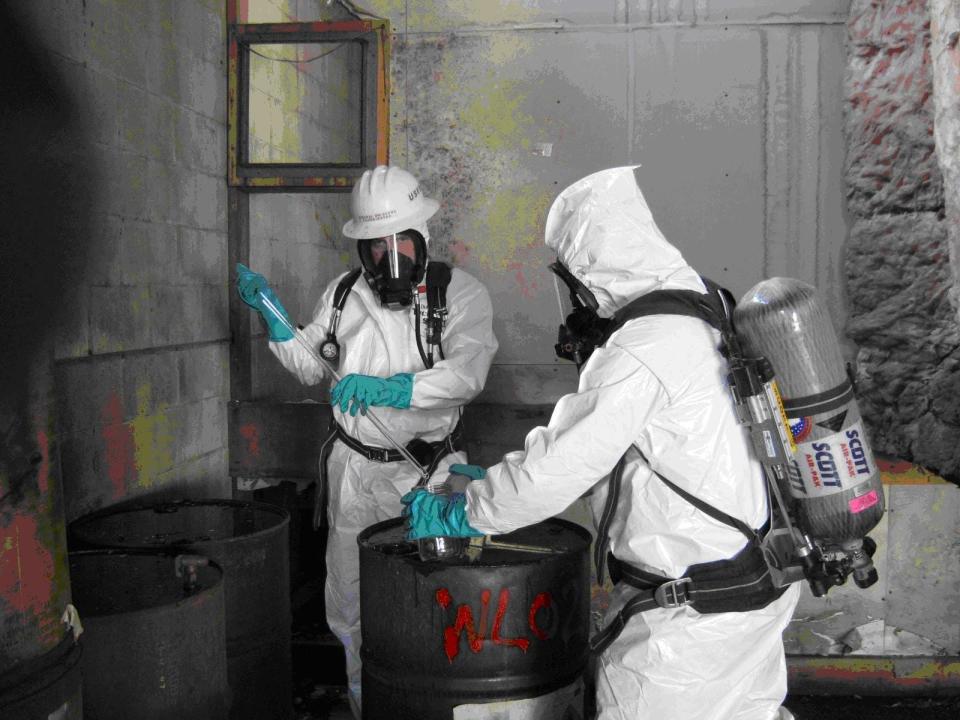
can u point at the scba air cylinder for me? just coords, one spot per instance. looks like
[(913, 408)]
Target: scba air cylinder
[(834, 480)]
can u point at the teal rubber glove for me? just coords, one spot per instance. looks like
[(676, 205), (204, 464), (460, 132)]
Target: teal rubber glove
[(474, 472), (358, 392), (252, 288), (462, 475), (429, 515)]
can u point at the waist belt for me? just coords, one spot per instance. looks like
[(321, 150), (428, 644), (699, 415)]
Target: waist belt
[(428, 454), (739, 584)]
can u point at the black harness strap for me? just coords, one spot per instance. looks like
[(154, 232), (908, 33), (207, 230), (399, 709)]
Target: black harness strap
[(735, 584), (343, 289)]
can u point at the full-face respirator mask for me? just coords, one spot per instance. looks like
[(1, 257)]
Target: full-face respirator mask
[(583, 330), (394, 265)]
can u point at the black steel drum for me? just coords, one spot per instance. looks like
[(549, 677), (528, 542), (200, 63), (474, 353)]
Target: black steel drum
[(153, 641), (249, 540), (503, 636)]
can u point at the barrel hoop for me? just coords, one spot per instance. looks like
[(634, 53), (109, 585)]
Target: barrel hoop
[(472, 686), (47, 670), (820, 402)]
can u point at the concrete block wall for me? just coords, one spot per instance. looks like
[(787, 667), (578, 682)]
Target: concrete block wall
[(142, 357)]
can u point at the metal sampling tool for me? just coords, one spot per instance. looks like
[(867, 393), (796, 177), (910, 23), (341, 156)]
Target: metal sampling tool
[(301, 338)]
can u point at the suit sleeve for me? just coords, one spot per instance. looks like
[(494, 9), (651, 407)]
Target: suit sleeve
[(588, 433)]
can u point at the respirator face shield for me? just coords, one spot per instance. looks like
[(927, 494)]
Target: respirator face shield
[(394, 265), (582, 329)]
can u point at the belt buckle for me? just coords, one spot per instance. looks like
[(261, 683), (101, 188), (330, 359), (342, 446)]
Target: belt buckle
[(672, 594), (380, 455)]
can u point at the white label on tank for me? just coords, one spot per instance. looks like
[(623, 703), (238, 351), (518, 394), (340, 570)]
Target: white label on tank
[(833, 463), (768, 442), (563, 704)]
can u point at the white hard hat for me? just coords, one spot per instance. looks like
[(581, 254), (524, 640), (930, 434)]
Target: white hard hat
[(385, 201)]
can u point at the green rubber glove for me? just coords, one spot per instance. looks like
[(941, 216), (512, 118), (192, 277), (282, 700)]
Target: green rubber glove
[(253, 288), (430, 515), (358, 392)]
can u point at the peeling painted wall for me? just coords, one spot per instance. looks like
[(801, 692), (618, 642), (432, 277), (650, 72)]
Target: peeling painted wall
[(732, 109)]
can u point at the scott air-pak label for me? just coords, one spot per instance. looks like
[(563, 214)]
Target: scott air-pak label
[(832, 463)]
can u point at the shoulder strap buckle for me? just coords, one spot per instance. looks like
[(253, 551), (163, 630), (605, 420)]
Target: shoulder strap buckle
[(673, 594)]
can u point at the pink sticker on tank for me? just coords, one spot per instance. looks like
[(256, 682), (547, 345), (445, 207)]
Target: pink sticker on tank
[(864, 501)]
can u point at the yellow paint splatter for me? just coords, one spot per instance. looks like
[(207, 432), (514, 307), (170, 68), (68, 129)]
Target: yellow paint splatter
[(506, 47), (153, 439), (494, 115), (510, 220)]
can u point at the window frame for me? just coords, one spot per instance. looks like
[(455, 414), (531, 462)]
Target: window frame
[(374, 35)]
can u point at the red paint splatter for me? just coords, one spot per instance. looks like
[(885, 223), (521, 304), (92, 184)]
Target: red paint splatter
[(26, 566), (43, 476), (120, 446), (251, 433), (543, 600), (521, 643), (443, 598)]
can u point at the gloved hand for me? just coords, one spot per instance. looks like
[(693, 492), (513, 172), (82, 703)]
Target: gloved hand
[(431, 515), (366, 390), (462, 475), (252, 288)]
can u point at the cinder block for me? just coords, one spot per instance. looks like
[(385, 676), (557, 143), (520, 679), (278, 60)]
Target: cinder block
[(99, 100), (203, 256), (131, 109), (204, 372), (120, 318), (202, 85), (211, 202), (129, 49), (159, 39), (214, 322), (161, 192), (150, 382), (126, 189), (102, 254), (89, 392), (188, 25), (201, 142), (160, 132), (72, 327), (188, 431), (149, 252), (175, 310)]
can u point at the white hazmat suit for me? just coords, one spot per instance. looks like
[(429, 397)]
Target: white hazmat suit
[(657, 385), (375, 340)]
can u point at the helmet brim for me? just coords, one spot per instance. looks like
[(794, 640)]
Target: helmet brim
[(381, 228)]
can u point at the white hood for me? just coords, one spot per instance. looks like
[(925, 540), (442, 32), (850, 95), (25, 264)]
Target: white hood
[(603, 232)]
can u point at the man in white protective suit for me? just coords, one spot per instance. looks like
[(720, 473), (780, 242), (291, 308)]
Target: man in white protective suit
[(652, 410), (408, 335)]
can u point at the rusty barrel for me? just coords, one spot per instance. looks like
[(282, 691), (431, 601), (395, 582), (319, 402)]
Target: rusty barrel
[(39, 672), (249, 541), (505, 635)]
